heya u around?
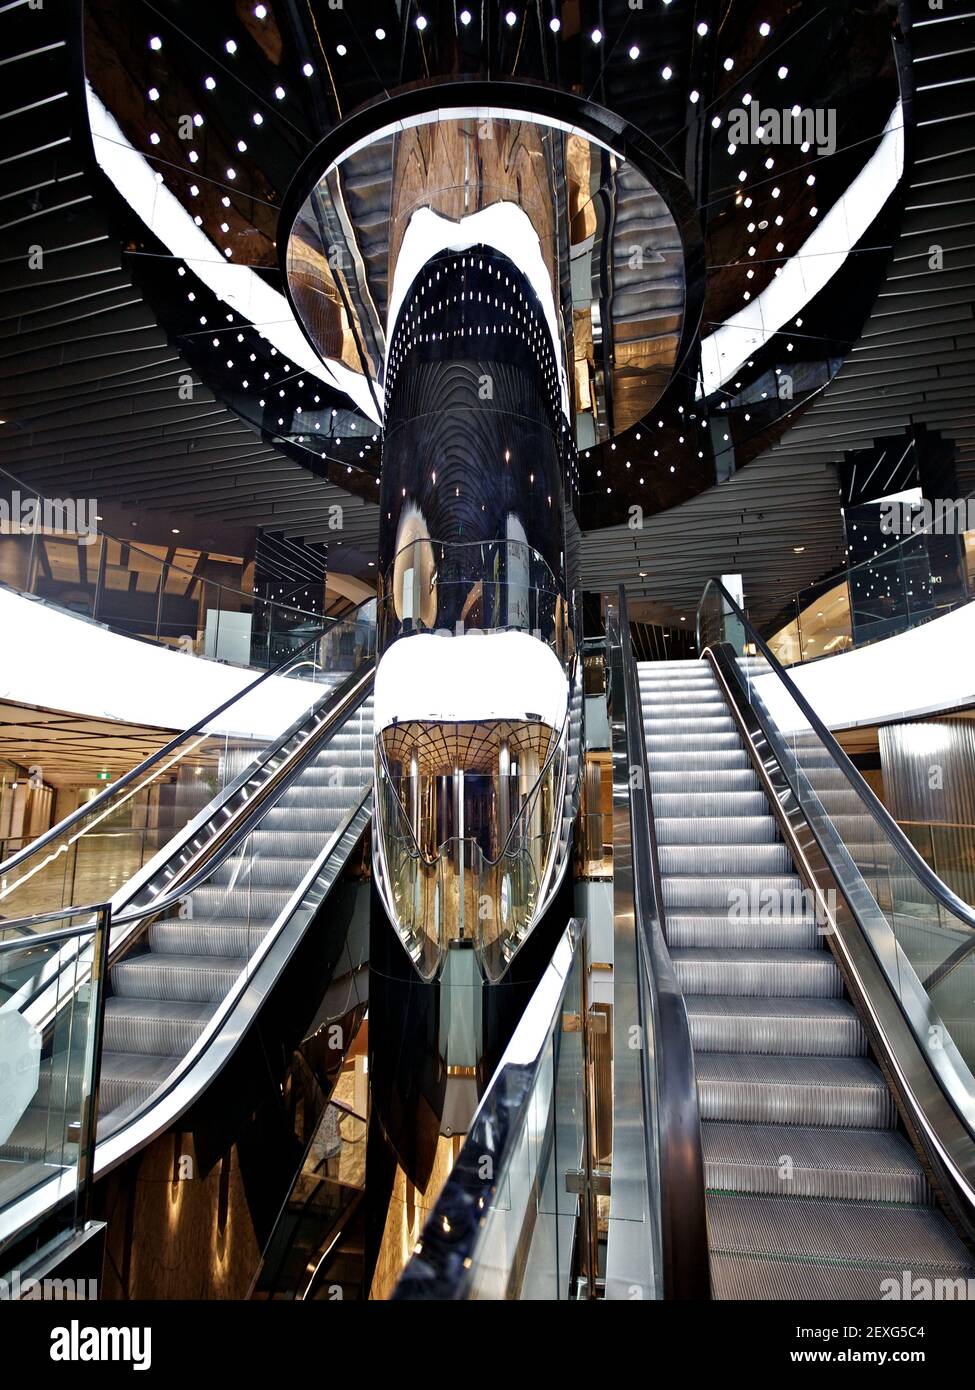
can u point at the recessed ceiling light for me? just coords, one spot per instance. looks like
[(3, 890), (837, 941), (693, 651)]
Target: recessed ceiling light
[(702, 29), (260, 12), (153, 94), (155, 43), (380, 34), (694, 97), (764, 29), (279, 93), (597, 36), (192, 156), (198, 119), (307, 69), (555, 25), (729, 63), (209, 83), (153, 138), (667, 73), (783, 71), (341, 49), (421, 23), (242, 146), (511, 18), (634, 53), (230, 46), (231, 173)]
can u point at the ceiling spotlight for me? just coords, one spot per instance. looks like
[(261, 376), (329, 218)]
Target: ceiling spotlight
[(421, 23), (811, 180), (153, 94), (715, 121), (511, 19), (209, 83), (694, 97), (341, 49), (231, 173), (279, 93), (667, 73), (260, 12), (154, 138), (764, 29), (702, 29), (783, 71), (242, 146), (729, 63), (230, 46), (634, 53), (197, 119), (381, 34), (155, 43), (307, 69), (192, 156), (555, 25), (194, 191), (597, 36), (257, 118)]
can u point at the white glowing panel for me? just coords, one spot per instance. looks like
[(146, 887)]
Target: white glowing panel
[(818, 260), (237, 286), (474, 676), (79, 667), (502, 225)]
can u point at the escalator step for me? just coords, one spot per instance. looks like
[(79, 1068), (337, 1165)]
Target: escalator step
[(689, 929), (162, 1027), (798, 1027), (197, 979), (752, 857), (765, 1247), (131, 1076), (716, 830), (730, 891), (741, 971), (227, 936), (859, 1165), (757, 1088), (731, 794)]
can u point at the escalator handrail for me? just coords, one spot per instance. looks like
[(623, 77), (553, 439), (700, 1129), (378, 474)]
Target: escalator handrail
[(127, 778), (339, 703), (237, 829), (888, 826), (683, 1203)]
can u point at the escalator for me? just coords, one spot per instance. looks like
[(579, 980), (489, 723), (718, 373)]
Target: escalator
[(802, 926), (212, 925), (791, 1103)]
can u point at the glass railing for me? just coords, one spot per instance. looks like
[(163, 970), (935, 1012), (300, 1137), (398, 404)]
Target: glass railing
[(486, 887), (516, 1219), (921, 932), (920, 578), (486, 586), (49, 1078), (136, 590), (100, 847)]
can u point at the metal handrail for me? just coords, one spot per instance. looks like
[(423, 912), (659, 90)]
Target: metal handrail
[(127, 778), (683, 1208), (888, 826)]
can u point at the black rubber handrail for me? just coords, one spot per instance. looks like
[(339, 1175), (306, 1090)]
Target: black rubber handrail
[(888, 826), (683, 1202), (253, 810), (147, 764)]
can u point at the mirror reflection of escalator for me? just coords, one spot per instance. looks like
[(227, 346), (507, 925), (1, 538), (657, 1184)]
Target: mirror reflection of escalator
[(813, 1190)]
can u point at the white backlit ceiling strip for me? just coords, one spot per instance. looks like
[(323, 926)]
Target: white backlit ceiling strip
[(237, 286), (725, 350)]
